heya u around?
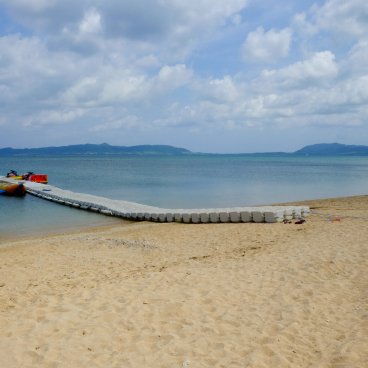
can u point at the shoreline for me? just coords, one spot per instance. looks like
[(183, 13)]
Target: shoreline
[(194, 295), (60, 231)]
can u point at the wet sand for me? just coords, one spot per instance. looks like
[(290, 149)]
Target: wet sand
[(186, 295)]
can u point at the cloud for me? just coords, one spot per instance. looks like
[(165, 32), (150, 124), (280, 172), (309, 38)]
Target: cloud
[(82, 91), (101, 67), (356, 59), (91, 22), (320, 67), (40, 16), (126, 122), (141, 20), (54, 116), (109, 87), (29, 72), (219, 89), (31, 6), (310, 92), (123, 88), (347, 17), (172, 77), (172, 24), (267, 47), (340, 17)]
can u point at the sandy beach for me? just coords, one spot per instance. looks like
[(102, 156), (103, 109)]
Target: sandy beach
[(185, 295)]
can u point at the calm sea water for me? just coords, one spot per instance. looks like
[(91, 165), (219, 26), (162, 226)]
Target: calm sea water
[(177, 182)]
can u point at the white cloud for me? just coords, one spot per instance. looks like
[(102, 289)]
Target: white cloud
[(219, 89), (316, 70), (29, 72), (352, 92), (175, 25), (171, 77), (302, 24), (56, 116), (267, 47), (356, 60), (91, 22), (340, 17), (84, 90), (130, 121), (349, 17), (124, 88)]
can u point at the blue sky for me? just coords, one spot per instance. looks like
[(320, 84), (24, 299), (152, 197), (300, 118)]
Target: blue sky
[(207, 75)]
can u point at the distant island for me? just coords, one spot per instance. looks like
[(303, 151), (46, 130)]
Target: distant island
[(96, 149), (323, 149), (332, 149)]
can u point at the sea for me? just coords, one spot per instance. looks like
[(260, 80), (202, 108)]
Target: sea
[(188, 181)]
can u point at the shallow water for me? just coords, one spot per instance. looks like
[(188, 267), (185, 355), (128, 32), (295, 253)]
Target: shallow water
[(31, 215), (177, 182)]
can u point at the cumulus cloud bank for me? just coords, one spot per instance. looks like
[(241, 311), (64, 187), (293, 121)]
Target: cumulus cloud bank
[(160, 71), (267, 47)]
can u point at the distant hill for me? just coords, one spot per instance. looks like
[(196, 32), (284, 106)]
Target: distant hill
[(333, 149), (94, 149), (323, 149)]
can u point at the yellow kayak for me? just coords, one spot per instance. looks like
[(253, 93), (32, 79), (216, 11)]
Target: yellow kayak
[(11, 189)]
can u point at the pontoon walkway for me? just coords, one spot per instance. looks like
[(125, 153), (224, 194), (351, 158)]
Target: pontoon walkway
[(139, 212)]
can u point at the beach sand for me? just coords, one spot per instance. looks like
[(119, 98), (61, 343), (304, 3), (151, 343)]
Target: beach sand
[(178, 295)]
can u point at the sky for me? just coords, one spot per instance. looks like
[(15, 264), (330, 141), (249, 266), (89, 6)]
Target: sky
[(207, 75)]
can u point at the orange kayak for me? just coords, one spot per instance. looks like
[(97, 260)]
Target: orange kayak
[(11, 189)]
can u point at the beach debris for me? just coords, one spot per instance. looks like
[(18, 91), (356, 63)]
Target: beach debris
[(145, 244), (336, 219), (299, 222), (185, 364), (110, 242)]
